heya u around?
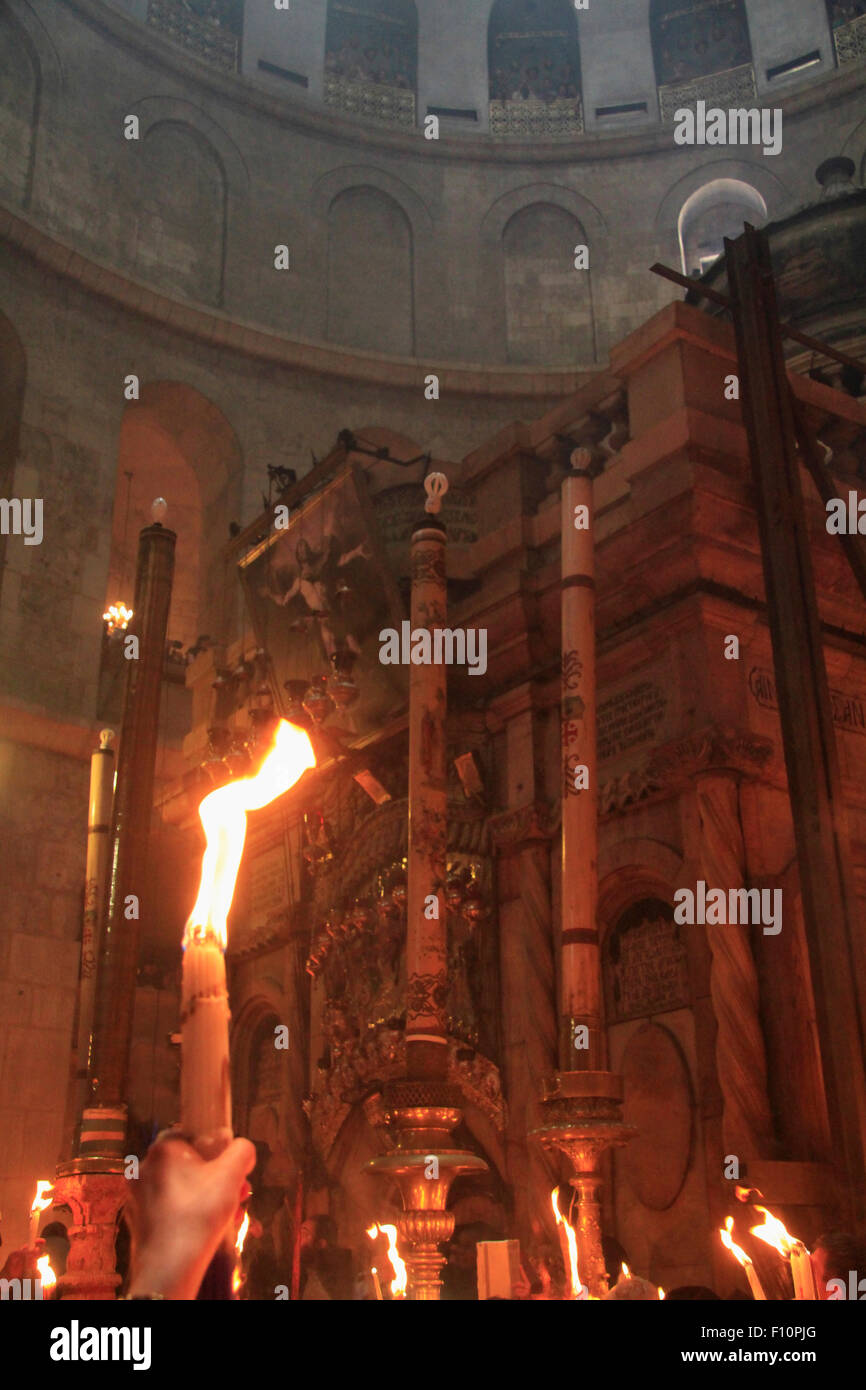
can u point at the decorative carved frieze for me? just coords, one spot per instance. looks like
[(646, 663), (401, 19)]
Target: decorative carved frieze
[(850, 41), (372, 101), (675, 764), (370, 1062), (511, 829), (206, 34), (734, 88), (534, 119)]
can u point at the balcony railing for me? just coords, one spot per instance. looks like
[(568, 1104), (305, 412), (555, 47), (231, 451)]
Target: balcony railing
[(850, 41), (536, 119), (208, 41), (724, 89), (372, 101)]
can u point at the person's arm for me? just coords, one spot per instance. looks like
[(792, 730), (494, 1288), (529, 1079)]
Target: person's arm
[(181, 1208)]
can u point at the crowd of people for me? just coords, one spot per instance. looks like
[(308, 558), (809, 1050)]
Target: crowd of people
[(533, 76), (364, 58), (184, 1206)]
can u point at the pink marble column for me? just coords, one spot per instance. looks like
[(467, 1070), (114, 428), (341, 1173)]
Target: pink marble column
[(581, 972), (426, 940)]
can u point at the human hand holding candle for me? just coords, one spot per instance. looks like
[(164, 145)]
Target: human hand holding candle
[(181, 1210)]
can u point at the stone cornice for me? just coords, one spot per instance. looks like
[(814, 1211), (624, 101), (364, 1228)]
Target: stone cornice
[(242, 92), (229, 334)]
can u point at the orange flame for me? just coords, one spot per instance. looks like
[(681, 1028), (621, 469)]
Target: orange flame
[(242, 1234), (773, 1232), (662, 1293), (43, 1196), (577, 1289), (398, 1283), (223, 815), (729, 1243), (46, 1273), (626, 1272)]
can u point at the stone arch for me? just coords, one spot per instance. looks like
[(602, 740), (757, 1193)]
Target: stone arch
[(548, 303), (696, 40), (716, 210), (588, 228), (178, 444), (370, 284), (776, 196), (371, 59)]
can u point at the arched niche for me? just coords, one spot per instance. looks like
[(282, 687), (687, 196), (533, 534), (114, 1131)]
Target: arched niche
[(714, 211), (370, 273), (180, 233), (533, 65), (548, 302), (175, 443), (692, 39), (371, 59), (19, 110)]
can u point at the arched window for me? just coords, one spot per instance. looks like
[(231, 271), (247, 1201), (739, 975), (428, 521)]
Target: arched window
[(533, 63), (701, 49), (848, 22), (716, 211), (370, 294), (371, 59), (211, 29), (548, 303)]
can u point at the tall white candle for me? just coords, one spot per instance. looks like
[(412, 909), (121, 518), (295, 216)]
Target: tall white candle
[(802, 1273), (205, 1088), (205, 1091)]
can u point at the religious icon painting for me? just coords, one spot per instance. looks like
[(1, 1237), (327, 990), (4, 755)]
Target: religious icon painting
[(318, 593)]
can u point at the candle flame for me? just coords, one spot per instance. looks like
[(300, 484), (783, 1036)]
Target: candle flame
[(626, 1272), (774, 1233), (729, 1243), (398, 1283), (242, 1234), (223, 814), (577, 1289), (46, 1273), (662, 1293), (43, 1196)]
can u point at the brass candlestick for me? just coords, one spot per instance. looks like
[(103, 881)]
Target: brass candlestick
[(422, 1115)]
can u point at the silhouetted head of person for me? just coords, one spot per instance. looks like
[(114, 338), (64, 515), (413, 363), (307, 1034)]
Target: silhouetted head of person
[(834, 1256), (691, 1293)]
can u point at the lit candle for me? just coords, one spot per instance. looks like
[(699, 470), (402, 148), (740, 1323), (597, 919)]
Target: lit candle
[(802, 1272), (740, 1255), (376, 1284), (205, 1075), (41, 1201)]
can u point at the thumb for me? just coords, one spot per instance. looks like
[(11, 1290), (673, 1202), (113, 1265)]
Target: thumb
[(236, 1160)]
